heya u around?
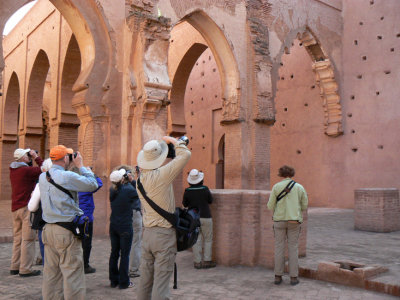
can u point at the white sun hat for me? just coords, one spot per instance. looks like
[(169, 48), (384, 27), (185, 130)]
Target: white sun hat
[(152, 155), (195, 176), (116, 176), (20, 152)]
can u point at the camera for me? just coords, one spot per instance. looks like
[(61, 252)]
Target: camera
[(70, 155), (126, 174), (171, 147), (29, 153)]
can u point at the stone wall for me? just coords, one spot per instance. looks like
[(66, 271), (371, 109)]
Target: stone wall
[(243, 232)]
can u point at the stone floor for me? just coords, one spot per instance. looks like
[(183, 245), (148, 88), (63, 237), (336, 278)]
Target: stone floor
[(330, 237)]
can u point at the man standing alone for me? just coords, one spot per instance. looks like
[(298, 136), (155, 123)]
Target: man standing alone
[(23, 180), (63, 274)]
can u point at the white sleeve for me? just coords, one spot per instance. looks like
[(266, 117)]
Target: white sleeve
[(33, 203)]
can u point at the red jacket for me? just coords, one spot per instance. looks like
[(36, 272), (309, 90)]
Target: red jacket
[(23, 180)]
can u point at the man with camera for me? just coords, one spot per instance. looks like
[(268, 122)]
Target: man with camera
[(159, 237), (63, 274), (23, 178)]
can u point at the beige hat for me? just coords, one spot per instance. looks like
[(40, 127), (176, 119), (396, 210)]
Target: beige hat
[(116, 176), (152, 155), (195, 176), (20, 152)]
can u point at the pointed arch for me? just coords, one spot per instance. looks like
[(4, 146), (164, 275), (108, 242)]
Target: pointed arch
[(324, 75), (225, 60), (11, 109)]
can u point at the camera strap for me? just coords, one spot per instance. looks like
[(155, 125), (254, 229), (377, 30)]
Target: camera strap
[(286, 190), (49, 179), (171, 218)]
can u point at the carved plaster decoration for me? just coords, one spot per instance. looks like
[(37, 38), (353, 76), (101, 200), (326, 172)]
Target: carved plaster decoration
[(156, 97), (325, 78)]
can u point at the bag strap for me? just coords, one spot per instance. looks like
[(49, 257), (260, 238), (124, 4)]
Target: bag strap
[(171, 218), (286, 190), (49, 179)]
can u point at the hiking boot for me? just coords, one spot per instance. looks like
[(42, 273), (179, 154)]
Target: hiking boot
[(89, 270), (278, 279), (209, 264), (33, 273), (294, 281), (197, 265)]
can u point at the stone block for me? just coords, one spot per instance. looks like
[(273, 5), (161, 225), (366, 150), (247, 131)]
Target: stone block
[(377, 209)]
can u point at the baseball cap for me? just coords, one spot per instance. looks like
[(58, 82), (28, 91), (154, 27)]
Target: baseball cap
[(59, 151), (20, 152)]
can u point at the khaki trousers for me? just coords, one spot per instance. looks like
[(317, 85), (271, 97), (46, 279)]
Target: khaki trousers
[(137, 224), (23, 253), (282, 230), (156, 263), (206, 235), (63, 276)]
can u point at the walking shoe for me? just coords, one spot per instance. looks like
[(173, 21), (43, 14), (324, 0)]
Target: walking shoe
[(14, 272), (89, 270), (33, 273), (294, 280), (209, 264), (197, 265), (278, 279), (134, 274), (114, 284), (128, 286)]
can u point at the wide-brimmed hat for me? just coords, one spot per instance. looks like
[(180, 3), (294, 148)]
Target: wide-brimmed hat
[(20, 152), (59, 151), (195, 176), (116, 176), (152, 155)]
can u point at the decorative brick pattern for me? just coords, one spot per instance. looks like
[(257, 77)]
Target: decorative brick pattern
[(377, 210)]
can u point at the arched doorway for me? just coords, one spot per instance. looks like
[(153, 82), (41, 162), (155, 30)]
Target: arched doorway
[(68, 130), (196, 108), (10, 132), (35, 112)]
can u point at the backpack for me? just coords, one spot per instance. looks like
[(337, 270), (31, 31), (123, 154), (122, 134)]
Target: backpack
[(36, 219), (185, 221)]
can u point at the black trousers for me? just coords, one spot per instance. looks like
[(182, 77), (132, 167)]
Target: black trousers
[(87, 245)]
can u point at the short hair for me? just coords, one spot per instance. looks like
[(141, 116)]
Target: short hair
[(286, 171)]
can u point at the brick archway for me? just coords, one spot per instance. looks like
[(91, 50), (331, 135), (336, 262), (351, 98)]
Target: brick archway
[(10, 132), (325, 77)]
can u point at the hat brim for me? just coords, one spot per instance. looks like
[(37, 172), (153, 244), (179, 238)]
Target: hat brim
[(156, 163), (198, 180), (24, 152)]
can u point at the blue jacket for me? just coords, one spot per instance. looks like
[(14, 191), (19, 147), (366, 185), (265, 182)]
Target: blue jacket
[(86, 202)]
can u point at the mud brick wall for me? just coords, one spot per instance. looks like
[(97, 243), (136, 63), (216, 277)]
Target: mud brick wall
[(243, 232), (377, 210)]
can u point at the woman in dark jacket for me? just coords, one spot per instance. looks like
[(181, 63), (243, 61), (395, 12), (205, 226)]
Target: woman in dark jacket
[(199, 196), (122, 197)]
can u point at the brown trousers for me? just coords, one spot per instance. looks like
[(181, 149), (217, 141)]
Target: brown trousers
[(157, 263), (63, 275), (23, 253), (282, 230)]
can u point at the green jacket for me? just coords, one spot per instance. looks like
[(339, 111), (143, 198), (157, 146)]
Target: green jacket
[(291, 206)]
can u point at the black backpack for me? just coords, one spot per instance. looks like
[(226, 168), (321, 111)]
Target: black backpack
[(36, 218), (185, 221)]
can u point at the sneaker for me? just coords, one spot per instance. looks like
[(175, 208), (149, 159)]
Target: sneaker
[(209, 264), (197, 265), (89, 270), (130, 285), (14, 272), (278, 279), (294, 281), (33, 273)]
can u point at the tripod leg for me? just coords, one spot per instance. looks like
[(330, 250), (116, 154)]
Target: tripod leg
[(175, 277)]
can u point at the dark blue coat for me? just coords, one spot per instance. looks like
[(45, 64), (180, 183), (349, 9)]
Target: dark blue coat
[(86, 202)]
